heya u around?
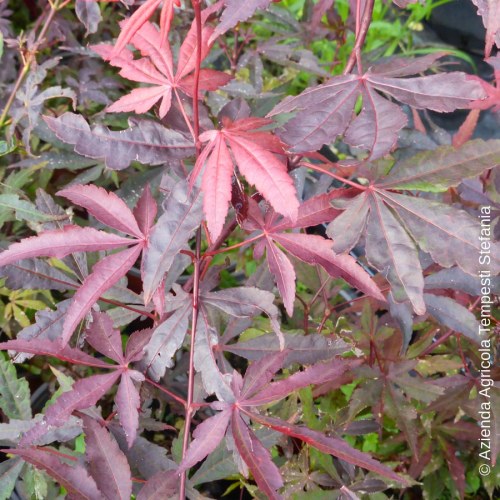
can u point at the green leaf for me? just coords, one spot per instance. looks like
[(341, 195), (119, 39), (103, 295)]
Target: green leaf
[(65, 384), (36, 483), (7, 147), (23, 210), (9, 471), (14, 392)]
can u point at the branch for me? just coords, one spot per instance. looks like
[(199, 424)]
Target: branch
[(30, 57), (362, 26), (190, 409)]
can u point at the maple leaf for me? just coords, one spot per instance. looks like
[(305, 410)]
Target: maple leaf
[(31, 98), (396, 223), (109, 209), (87, 391), (145, 141), (168, 337), (141, 17), (492, 91), (75, 479), (181, 216), (390, 385), (303, 349), (107, 463), (156, 68), (310, 248), (489, 10), (254, 153), (107, 475), (326, 111), (89, 13), (236, 12), (257, 389)]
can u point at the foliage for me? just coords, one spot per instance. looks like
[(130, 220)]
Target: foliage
[(253, 263)]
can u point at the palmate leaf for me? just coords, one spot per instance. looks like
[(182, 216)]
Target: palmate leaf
[(156, 68), (303, 349), (87, 391), (310, 248), (489, 10), (182, 215), (107, 463), (254, 153), (108, 473), (140, 17), (109, 209), (247, 395), (145, 141), (168, 337), (395, 224), (75, 479), (326, 111), (236, 12)]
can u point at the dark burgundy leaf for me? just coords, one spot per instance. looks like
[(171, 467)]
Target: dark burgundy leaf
[(104, 338), (333, 446), (258, 459), (75, 479), (207, 437), (107, 463), (145, 141)]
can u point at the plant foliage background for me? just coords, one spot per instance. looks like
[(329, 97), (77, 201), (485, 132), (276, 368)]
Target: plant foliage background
[(240, 257)]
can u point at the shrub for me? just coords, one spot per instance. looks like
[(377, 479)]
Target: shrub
[(246, 252)]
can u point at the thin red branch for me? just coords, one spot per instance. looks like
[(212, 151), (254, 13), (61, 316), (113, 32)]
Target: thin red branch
[(362, 25), (166, 391), (190, 409), (332, 175)]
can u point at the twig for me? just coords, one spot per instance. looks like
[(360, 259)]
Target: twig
[(362, 25), (30, 57), (166, 391), (190, 409), (333, 176)]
